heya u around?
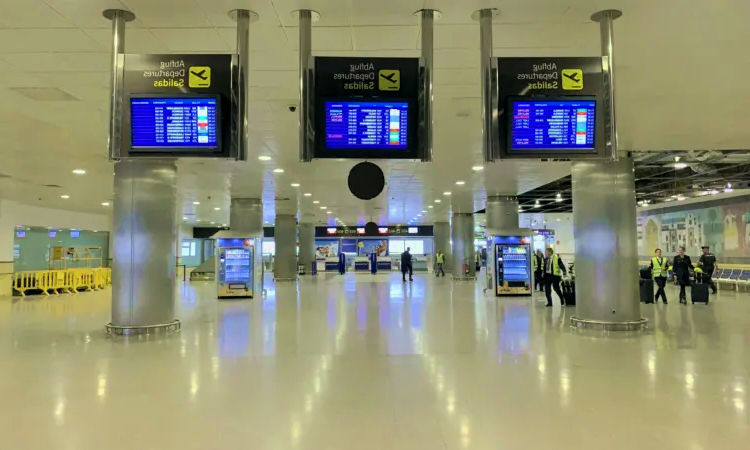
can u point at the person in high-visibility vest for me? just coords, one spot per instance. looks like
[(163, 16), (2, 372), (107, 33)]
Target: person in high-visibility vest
[(659, 273), (439, 262), (553, 271), (538, 263)]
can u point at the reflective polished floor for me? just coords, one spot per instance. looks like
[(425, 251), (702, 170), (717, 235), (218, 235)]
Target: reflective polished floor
[(366, 362)]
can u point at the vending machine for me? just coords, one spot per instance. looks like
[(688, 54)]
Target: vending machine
[(235, 273), (512, 255)]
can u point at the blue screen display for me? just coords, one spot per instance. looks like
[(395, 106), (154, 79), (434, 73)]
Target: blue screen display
[(171, 123), (367, 125), (553, 125)]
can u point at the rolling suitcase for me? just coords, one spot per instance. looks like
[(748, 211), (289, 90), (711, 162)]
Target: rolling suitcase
[(699, 290), (569, 292), (647, 291)]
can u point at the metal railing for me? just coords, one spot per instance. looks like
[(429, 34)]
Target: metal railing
[(61, 281)]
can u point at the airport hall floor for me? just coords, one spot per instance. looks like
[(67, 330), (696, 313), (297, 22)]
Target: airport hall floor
[(367, 362)]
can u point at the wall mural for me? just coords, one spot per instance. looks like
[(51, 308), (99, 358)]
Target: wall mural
[(723, 225)]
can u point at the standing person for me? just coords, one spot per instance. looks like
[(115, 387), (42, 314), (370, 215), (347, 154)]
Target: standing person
[(538, 266), (439, 260), (406, 264), (659, 272), (681, 267), (707, 263), (553, 271)]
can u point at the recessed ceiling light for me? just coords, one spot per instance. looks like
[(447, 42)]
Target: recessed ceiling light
[(213, 223), (217, 209), (65, 196), (424, 210), (438, 201), (295, 184), (184, 218), (460, 183), (446, 193), (328, 212), (728, 188), (680, 166), (477, 168), (196, 203), (307, 194), (278, 170), (223, 224), (316, 201), (79, 171), (322, 207), (430, 206), (105, 203), (264, 158)]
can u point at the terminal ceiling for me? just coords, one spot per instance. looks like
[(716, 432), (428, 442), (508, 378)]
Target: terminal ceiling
[(680, 80)]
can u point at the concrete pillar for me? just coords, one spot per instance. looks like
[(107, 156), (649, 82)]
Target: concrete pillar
[(143, 271), (604, 224), (285, 236), (442, 238), (501, 214), (307, 245), (462, 249)]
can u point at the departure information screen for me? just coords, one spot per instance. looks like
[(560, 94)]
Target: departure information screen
[(552, 125), (174, 123), (366, 125)]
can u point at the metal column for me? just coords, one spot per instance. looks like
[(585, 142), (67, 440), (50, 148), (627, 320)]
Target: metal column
[(285, 237), (143, 269), (442, 240), (244, 18), (606, 19), (246, 220), (118, 17), (502, 215), (462, 249), (307, 245), (604, 224), (306, 18), (485, 17), (427, 22)]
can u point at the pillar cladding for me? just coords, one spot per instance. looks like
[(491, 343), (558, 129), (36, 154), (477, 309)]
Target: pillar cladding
[(285, 237), (442, 238), (246, 217), (144, 227), (462, 250), (604, 221), (307, 245), (501, 214)]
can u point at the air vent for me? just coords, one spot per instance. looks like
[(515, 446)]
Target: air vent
[(51, 186), (282, 199), (45, 94)]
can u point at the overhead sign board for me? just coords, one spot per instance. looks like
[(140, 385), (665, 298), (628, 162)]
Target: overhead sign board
[(179, 105), (330, 232), (367, 108), (551, 108)]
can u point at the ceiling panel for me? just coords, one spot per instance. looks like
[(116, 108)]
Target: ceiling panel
[(191, 40), (47, 40), (168, 13)]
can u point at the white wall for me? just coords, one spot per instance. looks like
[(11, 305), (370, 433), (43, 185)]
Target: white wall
[(562, 223), (13, 214)]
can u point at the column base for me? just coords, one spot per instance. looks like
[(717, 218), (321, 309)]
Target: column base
[(580, 323), (143, 329)]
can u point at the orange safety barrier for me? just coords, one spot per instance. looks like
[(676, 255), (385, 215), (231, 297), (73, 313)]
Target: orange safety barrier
[(61, 281)]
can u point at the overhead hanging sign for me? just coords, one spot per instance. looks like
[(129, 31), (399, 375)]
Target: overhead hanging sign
[(551, 108), (367, 108), (179, 105)]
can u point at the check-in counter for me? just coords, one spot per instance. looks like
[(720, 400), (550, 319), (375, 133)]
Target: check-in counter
[(384, 263), (331, 264), (421, 263), (361, 264)]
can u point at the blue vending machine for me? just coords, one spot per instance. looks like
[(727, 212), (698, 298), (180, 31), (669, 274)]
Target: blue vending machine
[(512, 255), (235, 267)]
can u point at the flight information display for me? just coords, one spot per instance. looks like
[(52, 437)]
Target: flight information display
[(366, 125), (552, 125), (190, 123)]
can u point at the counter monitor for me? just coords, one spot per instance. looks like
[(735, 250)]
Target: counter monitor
[(176, 124), (551, 124), (363, 125)]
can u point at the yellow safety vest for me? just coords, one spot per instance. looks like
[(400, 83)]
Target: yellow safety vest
[(439, 258), (657, 270), (555, 266)]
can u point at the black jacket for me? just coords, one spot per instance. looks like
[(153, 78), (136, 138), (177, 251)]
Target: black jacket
[(406, 259), (681, 267), (708, 263)]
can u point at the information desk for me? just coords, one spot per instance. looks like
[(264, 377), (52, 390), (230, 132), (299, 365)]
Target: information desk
[(331, 265), (361, 264), (384, 263)]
